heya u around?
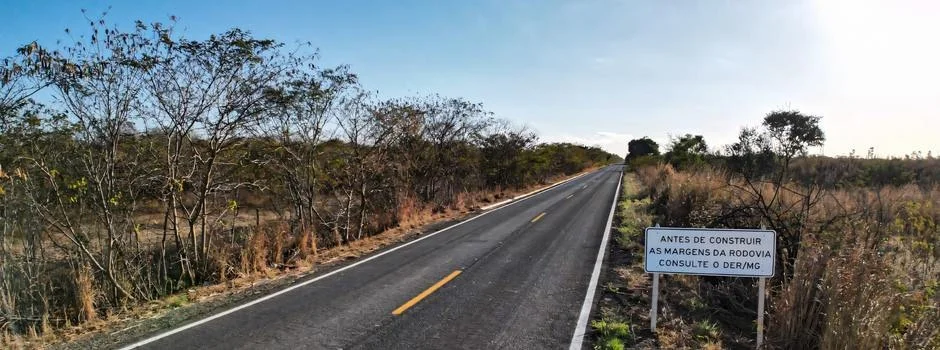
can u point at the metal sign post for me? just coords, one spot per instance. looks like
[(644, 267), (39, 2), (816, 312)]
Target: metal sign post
[(760, 311), (654, 308), (761, 295)]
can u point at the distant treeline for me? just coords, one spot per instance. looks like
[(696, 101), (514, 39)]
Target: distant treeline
[(690, 151), (845, 172), (124, 183)]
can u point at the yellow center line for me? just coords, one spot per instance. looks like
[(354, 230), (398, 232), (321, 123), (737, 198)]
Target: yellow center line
[(425, 293), (569, 196), (538, 217)]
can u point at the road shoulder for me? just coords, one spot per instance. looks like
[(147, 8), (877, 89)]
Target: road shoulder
[(621, 316)]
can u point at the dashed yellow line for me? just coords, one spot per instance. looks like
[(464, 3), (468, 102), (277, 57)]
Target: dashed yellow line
[(425, 293), (538, 217)]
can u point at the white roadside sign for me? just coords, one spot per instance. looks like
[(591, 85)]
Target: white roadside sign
[(712, 252)]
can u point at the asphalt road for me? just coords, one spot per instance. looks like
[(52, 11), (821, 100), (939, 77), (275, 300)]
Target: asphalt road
[(513, 278)]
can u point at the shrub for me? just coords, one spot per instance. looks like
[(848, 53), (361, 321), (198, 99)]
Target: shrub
[(613, 344), (612, 334), (706, 331)]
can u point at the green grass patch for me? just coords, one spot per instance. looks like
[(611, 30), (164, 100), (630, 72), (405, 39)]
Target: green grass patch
[(177, 300), (612, 335), (705, 331), (632, 212), (613, 344)]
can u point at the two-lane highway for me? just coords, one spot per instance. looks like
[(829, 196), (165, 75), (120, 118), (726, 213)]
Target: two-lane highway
[(513, 277)]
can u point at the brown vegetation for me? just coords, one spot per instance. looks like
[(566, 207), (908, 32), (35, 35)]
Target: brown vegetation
[(857, 241), (164, 164), (866, 274)]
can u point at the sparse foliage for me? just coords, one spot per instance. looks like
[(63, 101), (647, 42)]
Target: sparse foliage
[(163, 162)]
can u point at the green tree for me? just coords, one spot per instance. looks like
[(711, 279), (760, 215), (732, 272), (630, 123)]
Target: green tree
[(642, 151), (763, 156), (687, 151), (502, 150), (793, 133)]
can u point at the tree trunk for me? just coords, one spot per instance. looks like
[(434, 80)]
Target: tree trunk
[(362, 209)]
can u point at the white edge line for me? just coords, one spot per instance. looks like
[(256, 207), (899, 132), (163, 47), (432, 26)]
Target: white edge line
[(310, 281), (581, 329), (522, 196), (494, 205)]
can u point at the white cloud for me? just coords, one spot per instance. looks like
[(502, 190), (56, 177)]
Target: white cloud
[(612, 142)]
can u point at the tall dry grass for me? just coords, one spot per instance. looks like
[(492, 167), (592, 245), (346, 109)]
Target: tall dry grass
[(866, 273)]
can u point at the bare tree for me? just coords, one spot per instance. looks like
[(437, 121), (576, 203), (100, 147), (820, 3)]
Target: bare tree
[(204, 96), (96, 181), (302, 113), (452, 127)]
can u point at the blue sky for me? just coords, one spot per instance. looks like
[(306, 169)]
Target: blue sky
[(600, 71)]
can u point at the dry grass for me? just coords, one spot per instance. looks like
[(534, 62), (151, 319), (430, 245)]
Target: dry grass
[(867, 270), (84, 290), (269, 254)]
